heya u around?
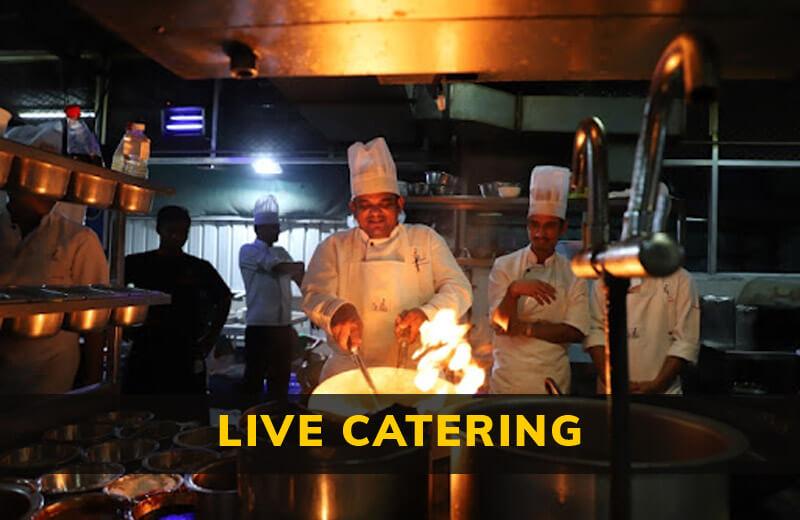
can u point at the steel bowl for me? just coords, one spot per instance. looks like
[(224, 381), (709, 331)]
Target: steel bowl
[(83, 434), (138, 486), (41, 325), (205, 437), (92, 190), (128, 452), (216, 486), (441, 189), (80, 478), (6, 159), (19, 498), (134, 199), (87, 320), (179, 460), (440, 178), (121, 418), (92, 506), (488, 189), (162, 431), (36, 459), (168, 505), (417, 189), (41, 178), (129, 316)]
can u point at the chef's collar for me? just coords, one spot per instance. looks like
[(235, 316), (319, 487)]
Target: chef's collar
[(533, 260), (377, 241)]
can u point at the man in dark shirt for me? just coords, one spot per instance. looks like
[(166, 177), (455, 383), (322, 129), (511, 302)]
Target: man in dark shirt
[(169, 349)]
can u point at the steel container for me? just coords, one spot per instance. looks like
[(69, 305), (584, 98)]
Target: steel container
[(80, 478), (83, 434), (134, 199), (678, 465), (179, 460), (19, 498), (41, 178), (33, 460), (216, 487), (92, 190)]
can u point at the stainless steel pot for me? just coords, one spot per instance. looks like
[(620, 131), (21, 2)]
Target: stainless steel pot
[(440, 178), (216, 487), (80, 478), (133, 199), (88, 320), (572, 482), (179, 460), (167, 505), (128, 452), (122, 418), (161, 431), (92, 190), (92, 506), (41, 178), (19, 499), (83, 434), (33, 460), (205, 437)]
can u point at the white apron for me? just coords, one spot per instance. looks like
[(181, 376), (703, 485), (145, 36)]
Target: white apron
[(380, 290), (651, 312), (522, 364)]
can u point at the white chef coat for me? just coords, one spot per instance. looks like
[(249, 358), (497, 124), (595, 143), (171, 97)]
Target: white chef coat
[(521, 364), (413, 267), (59, 252), (663, 320), (269, 294)]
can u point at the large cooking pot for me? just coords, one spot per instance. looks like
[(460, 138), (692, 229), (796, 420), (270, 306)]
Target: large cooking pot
[(338, 480), (216, 487), (678, 462), (19, 498)]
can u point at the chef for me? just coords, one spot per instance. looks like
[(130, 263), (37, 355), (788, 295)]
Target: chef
[(39, 245), (370, 288), (663, 331), (537, 305), (268, 271)]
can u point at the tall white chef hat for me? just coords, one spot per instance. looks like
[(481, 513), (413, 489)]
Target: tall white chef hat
[(372, 168), (265, 210), (549, 191)]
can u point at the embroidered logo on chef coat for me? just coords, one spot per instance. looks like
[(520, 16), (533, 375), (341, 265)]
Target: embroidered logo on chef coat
[(380, 306), (418, 259)]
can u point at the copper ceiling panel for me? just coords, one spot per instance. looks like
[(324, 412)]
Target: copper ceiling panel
[(495, 40)]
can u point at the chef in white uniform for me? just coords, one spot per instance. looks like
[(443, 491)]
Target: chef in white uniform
[(374, 285), (38, 245), (537, 305), (663, 330), (267, 271)]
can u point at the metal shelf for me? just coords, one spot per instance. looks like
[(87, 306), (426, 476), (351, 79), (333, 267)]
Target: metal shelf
[(500, 204), (120, 297), (22, 150)]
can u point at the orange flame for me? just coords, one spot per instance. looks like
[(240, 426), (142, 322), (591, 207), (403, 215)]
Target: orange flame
[(444, 347)]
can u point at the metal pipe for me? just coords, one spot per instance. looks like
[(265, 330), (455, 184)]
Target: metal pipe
[(215, 116), (590, 169), (686, 66), (616, 370)]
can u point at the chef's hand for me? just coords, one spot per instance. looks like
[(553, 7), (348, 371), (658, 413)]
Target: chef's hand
[(645, 387), (347, 327), (542, 292), (407, 324)]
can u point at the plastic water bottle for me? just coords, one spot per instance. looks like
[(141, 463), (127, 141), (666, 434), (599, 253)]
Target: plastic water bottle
[(80, 142), (132, 152)]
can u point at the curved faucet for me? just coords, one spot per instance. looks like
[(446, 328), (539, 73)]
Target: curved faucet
[(687, 66), (590, 167)]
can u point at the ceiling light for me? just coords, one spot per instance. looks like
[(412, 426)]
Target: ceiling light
[(183, 121), (266, 166)]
